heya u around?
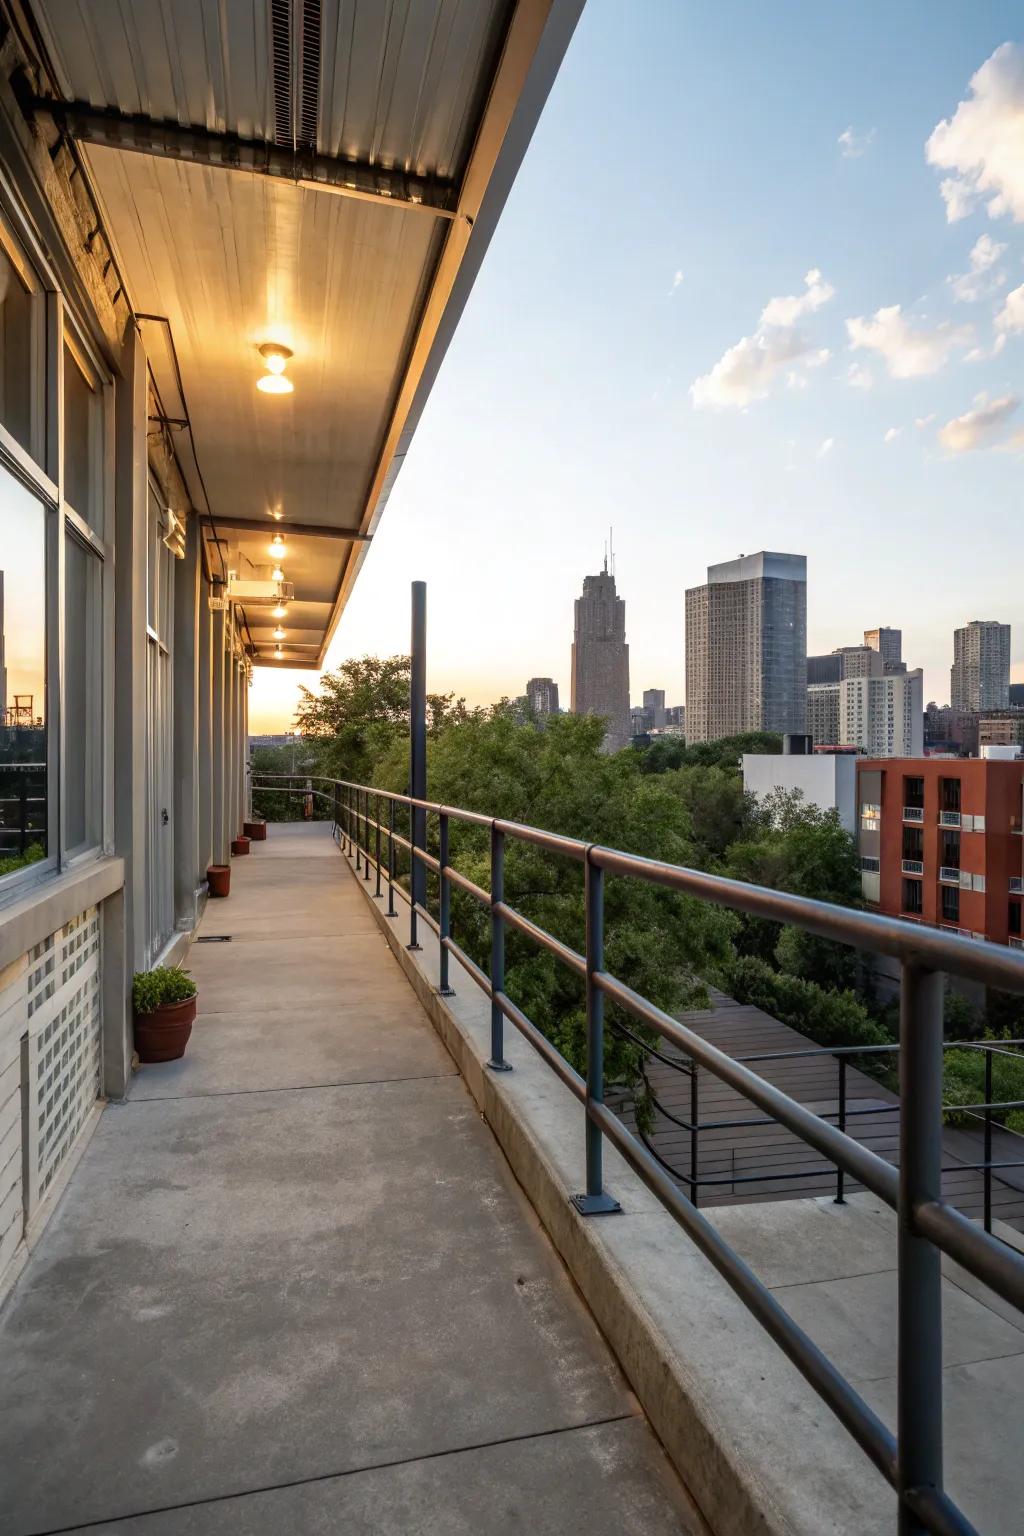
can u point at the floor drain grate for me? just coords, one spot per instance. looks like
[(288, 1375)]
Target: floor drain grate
[(214, 938)]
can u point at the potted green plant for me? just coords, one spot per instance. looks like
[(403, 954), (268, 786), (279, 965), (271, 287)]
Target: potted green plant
[(164, 1003)]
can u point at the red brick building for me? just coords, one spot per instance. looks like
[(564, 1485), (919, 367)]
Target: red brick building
[(942, 841)]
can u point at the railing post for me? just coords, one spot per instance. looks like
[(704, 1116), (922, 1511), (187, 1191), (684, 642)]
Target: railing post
[(355, 827), (840, 1171), (444, 905), (919, 1352), (391, 912), (988, 1141), (366, 834), (497, 1062), (376, 804), (414, 942), (694, 1131), (594, 1202)]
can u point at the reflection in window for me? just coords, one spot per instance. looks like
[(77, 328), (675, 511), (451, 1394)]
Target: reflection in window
[(15, 353), (81, 442), (23, 813), (82, 705)]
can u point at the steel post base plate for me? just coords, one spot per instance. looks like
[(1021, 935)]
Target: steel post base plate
[(446, 991), (499, 1066), (596, 1205)]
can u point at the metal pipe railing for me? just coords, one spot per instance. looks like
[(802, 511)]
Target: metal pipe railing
[(911, 1461)]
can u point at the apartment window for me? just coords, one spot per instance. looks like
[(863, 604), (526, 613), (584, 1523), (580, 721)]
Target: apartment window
[(913, 901), (1014, 918), (950, 903), (913, 793), (24, 669), (83, 439), (870, 817), (870, 865), (913, 843), (950, 794), (83, 712), (950, 850), (16, 350)]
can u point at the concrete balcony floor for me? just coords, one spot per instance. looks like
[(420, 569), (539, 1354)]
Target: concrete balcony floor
[(293, 1285)]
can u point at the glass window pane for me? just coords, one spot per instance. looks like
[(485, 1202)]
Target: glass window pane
[(81, 446), (15, 353), (23, 814), (82, 700)]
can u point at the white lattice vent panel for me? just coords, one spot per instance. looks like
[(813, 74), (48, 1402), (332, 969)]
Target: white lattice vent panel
[(64, 1045)]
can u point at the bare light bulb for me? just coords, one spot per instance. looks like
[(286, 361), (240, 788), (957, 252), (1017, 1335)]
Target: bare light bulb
[(278, 612), (279, 633), (277, 547), (273, 382), (277, 574)]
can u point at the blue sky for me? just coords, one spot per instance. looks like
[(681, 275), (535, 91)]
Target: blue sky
[(704, 140)]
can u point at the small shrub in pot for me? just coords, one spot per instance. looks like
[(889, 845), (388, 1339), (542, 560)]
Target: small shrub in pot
[(164, 1005)]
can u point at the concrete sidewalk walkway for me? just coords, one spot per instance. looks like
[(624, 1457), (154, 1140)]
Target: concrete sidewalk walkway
[(293, 1287)]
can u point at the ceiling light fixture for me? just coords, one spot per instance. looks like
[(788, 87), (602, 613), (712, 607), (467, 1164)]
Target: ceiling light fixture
[(276, 358), (279, 633), (279, 612), (277, 547), (277, 574), (278, 654)]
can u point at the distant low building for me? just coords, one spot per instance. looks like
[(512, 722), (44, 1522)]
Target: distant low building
[(1000, 728), (825, 779), (641, 720), (675, 715)]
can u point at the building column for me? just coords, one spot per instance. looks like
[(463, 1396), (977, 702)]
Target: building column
[(204, 723), (218, 719), (186, 741), (124, 931)]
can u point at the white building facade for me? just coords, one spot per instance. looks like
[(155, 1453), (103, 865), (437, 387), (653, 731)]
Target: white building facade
[(883, 716)]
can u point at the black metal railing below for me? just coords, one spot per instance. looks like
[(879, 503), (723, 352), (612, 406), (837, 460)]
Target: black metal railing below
[(927, 1227)]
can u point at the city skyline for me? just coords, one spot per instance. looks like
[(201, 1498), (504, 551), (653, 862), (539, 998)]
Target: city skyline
[(662, 365)]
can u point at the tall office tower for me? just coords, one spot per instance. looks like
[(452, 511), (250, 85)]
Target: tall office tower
[(675, 715), (980, 675), (746, 647), (600, 658), (823, 713), (654, 700), (542, 696), (884, 716), (889, 645), (824, 669), (1017, 695)]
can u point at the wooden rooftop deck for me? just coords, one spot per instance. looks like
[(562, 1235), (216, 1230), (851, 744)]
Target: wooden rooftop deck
[(759, 1162)]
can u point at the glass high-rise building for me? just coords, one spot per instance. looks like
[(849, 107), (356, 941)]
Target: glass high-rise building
[(746, 647)]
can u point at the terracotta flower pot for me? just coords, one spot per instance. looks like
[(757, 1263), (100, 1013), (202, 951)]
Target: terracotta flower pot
[(239, 845), (256, 831), (218, 879), (163, 1034)]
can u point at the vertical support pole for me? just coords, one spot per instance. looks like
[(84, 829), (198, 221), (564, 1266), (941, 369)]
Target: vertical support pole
[(988, 1141), (348, 820), (391, 912), (418, 752), (376, 817), (694, 1132), (497, 1062), (444, 908), (919, 1350), (594, 1202), (840, 1171), (366, 834)]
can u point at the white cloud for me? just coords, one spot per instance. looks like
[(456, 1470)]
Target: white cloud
[(983, 142), (892, 434), (826, 448), (980, 355), (747, 371), (909, 351), (920, 422), (979, 280), (979, 427), (859, 377), (1011, 316), (675, 282), (787, 311), (852, 144)]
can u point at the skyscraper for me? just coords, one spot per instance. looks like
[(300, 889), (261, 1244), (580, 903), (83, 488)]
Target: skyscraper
[(889, 645), (600, 658), (654, 700), (884, 716), (542, 696), (746, 647), (823, 713), (980, 675)]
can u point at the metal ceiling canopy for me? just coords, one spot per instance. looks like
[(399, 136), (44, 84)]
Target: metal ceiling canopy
[(212, 130)]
